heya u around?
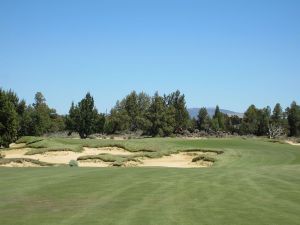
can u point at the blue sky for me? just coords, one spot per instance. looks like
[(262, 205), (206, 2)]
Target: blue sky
[(231, 53)]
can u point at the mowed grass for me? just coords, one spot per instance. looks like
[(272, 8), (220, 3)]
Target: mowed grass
[(254, 182)]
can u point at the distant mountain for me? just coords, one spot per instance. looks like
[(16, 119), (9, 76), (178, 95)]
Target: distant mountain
[(211, 111)]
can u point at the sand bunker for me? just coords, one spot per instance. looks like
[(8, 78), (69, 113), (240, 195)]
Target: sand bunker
[(64, 157), (14, 145), (293, 143), (180, 160), (106, 150), (93, 163)]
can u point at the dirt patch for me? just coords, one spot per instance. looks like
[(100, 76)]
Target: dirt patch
[(180, 160), (293, 143)]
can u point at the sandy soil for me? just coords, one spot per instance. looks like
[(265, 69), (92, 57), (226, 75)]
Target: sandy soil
[(293, 143), (107, 150), (14, 145), (63, 157), (181, 160), (93, 163)]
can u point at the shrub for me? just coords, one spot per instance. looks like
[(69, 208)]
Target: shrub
[(73, 163)]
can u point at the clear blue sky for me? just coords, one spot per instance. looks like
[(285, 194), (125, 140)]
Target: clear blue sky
[(231, 53)]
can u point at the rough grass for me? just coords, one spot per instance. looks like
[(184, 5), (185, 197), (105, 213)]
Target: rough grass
[(204, 158), (255, 182), (116, 160), (4, 161)]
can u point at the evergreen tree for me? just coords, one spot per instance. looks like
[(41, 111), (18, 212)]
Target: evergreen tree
[(84, 118), (177, 101), (219, 122), (203, 119), (41, 115), (278, 114), (161, 117), (294, 119), (250, 121), (264, 116), (87, 116), (8, 119)]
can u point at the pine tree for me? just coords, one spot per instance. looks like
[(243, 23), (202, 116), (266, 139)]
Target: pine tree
[(278, 114), (161, 117), (177, 101), (8, 120), (219, 117), (84, 118), (294, 119), (203, 120)]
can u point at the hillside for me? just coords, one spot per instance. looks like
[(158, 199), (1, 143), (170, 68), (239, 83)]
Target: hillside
[(211, 111)]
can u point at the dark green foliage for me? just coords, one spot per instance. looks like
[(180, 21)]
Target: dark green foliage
[(8, 118), (84, 118), (256, 121), (233, 123), (157, 116), (218, 122), (177, 101), (264, 116), (130, 114), (161, 117), (278, 114), (117, 121), (293, 114), (203, 121), (250, 121)]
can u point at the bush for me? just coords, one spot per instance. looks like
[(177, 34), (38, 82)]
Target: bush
[(73, 163)]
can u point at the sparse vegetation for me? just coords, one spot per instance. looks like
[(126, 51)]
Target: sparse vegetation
[(204, 158), (22, 160)]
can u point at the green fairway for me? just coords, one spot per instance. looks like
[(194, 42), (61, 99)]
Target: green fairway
[(254, 182)]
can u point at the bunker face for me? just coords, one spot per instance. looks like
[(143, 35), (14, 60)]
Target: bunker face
[(64, 157), (179, 160), (106, 150)]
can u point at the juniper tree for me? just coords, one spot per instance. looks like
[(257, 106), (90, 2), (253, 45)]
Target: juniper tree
[(203, 119), (8, 120)]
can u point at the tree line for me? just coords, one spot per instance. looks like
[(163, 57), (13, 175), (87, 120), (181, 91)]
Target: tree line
[(157, 115)]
